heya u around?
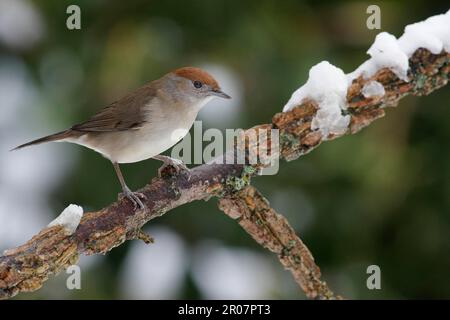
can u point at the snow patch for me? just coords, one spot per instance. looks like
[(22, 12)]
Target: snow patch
[(385, 53), (373, 89), (326, 85), (69, 218), (432, 34)]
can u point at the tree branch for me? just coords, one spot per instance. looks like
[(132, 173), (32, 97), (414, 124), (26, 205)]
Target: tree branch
[(26, 268), (272, 231)]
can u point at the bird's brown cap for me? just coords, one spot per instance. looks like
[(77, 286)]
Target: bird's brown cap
[(197, 74)]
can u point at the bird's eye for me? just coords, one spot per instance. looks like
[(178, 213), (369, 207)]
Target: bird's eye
[(198, 84)]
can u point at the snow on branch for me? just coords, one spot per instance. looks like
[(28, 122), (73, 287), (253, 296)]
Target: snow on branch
[(69, 218), (330, 105), (328, 85)]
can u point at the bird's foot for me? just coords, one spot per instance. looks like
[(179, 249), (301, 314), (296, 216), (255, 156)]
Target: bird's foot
[(134, 197), (171, 166)]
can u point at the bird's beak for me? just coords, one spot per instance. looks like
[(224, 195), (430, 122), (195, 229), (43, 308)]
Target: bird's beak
[(220, 93)]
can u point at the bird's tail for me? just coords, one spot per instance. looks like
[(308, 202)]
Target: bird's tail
[(53, 137)]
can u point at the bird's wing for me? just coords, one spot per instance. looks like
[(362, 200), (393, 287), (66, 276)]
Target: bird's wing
[(128, 113)]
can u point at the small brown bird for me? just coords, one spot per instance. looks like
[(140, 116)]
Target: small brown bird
[(144, 123)]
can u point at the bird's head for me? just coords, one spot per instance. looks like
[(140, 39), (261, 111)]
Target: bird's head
[(194, 85)]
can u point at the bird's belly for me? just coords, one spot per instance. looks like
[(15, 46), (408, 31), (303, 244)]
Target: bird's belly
[(148, 147), (133, 146)]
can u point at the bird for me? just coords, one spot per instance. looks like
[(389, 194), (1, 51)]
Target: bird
[(144, 123)]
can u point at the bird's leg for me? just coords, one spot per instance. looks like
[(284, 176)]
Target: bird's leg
[(178, 165), (134, 197)]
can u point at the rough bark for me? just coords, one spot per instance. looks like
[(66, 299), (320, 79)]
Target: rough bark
[(272, 231)]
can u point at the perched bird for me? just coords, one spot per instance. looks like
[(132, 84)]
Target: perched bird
[(144, 123)]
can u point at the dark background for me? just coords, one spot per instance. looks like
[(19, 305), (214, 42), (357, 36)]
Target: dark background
[(379, 197)]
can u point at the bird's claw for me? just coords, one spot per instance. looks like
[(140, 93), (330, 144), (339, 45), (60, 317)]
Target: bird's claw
[(172, 166), (134, 197)]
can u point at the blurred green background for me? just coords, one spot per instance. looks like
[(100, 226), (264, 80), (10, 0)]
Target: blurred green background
[(379, 197)]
